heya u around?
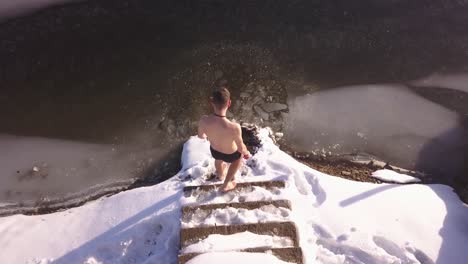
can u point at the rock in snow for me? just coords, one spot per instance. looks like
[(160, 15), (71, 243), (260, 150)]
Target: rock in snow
[(259, 111), (274, 107), (393, 176)]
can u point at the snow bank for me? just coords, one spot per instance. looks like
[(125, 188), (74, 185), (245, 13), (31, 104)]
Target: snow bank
[(130, 227), (392, 176), (339, 221), (196, 151)]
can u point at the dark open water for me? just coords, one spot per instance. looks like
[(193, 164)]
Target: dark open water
[(100, 93)]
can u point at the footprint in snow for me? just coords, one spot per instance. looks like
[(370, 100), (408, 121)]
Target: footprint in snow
[(314, 186)]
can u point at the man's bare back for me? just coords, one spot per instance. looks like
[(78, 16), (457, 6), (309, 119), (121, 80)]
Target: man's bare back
[(225, 139), (224, 136)]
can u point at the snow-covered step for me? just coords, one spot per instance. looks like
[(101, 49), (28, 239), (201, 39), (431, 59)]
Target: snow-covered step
[(289, 254), (239, 195), (188, 190), (236, 242), (186, 210), (235, 213), (282, 229)]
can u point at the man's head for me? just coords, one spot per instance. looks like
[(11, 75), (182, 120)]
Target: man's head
[(221, 98)]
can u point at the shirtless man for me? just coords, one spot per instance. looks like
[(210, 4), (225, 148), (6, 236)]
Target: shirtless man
[(225, 138)]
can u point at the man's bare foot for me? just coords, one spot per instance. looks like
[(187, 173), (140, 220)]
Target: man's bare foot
[(229, 187)]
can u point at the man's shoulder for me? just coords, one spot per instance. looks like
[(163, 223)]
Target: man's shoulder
[(235, 126), (203, 119)]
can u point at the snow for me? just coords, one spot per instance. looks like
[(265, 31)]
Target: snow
[(338, 220), (236, 242), (195, 152), (392, 176), (235, 258)]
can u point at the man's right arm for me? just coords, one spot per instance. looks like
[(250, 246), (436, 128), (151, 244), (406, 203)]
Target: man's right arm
[(239, 142), (201, 129)]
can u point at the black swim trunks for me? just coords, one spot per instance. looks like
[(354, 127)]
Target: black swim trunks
[(225, 157)]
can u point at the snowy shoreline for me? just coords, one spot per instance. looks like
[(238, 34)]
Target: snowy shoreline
[(56, 157), (383, 223)]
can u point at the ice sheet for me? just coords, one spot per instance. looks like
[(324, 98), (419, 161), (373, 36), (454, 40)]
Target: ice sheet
[(392, 176)]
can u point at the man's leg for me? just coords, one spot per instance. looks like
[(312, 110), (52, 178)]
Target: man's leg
[(220, 169), (229, 182)]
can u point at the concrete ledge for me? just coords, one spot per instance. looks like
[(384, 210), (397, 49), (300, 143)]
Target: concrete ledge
[(293, 254), (187, 210), (285, 229), (240, 185)]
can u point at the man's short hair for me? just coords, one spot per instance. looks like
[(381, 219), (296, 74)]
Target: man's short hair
[(220, 97)]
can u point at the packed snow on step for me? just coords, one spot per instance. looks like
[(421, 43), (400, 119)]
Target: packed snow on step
[(228, 216), (215, 243), (256, 193), (393, 176), (339, 221), (235, 258)]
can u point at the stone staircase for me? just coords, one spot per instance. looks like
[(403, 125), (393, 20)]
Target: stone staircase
[(285, 229)]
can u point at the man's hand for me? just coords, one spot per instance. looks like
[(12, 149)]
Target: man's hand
[(247, 155)]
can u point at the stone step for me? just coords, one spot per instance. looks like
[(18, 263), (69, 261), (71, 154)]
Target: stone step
[(189, 210), (284, 229), (292, 254), (241, 185)]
